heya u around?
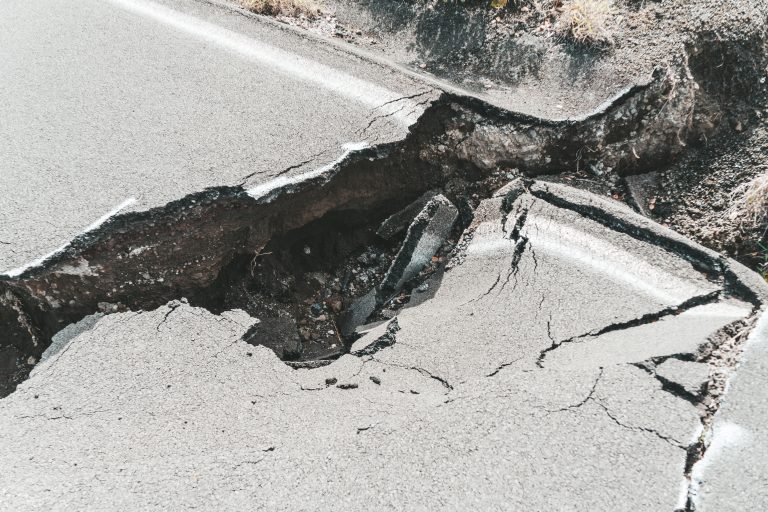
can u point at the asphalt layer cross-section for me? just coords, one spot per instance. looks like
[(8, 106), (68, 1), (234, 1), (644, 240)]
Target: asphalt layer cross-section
[(129, 104)]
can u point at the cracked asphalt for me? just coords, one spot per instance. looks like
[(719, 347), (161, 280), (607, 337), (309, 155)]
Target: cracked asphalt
[(157, 100), (572, 355), (548, 372)]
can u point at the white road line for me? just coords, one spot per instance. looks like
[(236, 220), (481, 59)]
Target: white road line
[(263, 190), (101, 220), (607, 260), (334, 80), (724, 436)]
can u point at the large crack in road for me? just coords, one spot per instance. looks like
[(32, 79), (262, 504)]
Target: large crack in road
[(384, 282), (142, 260)]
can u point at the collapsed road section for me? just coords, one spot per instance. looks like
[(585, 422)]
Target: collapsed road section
[(415, 316), (232, 246), (566, 340)]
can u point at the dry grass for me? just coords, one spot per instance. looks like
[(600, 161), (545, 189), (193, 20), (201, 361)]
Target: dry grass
[(587, 22), (749, 204), (293, 8)]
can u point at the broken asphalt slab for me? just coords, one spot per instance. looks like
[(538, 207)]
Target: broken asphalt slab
[(286, 107), (429, 229), (462, 402)]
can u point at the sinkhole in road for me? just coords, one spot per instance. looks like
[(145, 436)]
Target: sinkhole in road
[(312, 265), (303, 285)]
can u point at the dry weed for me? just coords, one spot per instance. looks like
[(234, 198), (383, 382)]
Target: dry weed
[(749, 202), (587, 22), (294, 8)]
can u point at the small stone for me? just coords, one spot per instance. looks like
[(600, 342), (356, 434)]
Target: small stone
[(375, 380), (423, 287), (331, 381), (349, 385), (316, 309)]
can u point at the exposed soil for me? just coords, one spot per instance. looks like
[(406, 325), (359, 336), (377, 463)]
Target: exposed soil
[(693, 195)]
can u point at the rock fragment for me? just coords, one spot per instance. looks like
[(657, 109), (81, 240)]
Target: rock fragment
[(399, 222), (426, 234)]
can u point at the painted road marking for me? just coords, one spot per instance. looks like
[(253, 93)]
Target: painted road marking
[(387, 102)]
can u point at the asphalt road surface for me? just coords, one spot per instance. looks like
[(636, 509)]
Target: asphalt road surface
[(113, 106), (543, 374), (566, 360)]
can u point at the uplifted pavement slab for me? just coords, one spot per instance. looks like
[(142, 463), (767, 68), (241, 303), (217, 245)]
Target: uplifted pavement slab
[(534, 280), (461, 402)]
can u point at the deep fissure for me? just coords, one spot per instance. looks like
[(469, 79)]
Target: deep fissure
[(298, 256)]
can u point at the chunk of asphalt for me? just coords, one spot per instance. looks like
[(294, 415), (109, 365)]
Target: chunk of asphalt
[(399, 222), (357, 313), (689, 375), (426, 234), (429, 229), (309, 365), (376, 339), (278, 334), (623, 219), (366, 328)]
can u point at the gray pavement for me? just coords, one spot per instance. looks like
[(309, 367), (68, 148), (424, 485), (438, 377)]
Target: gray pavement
[(126, 105), (559, 363), (472, 407), (732, 474)]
